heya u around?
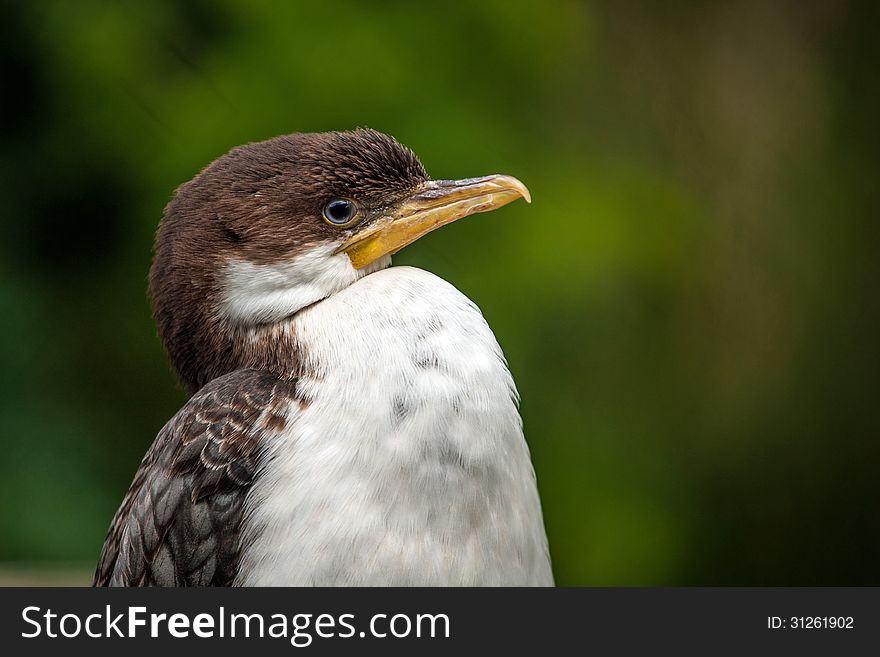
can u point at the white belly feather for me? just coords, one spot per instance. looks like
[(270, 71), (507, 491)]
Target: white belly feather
[(409, 466)]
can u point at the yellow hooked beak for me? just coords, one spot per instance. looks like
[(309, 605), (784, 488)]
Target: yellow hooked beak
[(434, 204)]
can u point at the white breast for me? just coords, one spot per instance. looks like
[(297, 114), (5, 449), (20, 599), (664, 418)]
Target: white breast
[(409, 466)]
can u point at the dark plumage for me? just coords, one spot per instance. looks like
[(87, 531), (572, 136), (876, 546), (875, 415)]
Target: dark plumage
[(179, 523)]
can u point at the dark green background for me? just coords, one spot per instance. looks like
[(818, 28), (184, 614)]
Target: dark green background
[(690, 305)]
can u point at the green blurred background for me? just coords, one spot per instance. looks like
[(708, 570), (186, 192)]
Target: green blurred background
[(690, 305)]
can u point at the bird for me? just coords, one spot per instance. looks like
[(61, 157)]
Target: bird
[(350, 423)]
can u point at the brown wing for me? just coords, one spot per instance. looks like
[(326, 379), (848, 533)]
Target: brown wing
[(180, 522)]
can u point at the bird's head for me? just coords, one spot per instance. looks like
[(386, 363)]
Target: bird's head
[(275, 226)]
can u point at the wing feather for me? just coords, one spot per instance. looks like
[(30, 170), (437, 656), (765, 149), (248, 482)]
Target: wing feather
[(180, 522)]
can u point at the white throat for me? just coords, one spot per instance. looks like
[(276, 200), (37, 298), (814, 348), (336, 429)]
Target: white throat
[(267, 293)]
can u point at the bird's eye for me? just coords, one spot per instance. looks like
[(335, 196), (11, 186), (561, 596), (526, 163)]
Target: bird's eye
[(340, 212)]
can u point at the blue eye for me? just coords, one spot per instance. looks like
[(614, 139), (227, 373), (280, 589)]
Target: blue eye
[(340, 212)]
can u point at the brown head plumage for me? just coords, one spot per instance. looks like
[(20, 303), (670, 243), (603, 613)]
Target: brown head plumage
[(263, 203)]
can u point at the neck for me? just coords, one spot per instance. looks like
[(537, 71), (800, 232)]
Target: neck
[(270, 347), (243, 318)]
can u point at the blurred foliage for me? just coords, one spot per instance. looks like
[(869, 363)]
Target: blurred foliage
[(689, 306)]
